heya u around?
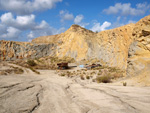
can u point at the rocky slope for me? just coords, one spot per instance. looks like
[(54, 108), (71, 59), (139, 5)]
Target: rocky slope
[(10, 50), (139, 52), (109, 47)]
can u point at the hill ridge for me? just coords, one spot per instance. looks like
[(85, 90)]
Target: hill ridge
[(109, 47)]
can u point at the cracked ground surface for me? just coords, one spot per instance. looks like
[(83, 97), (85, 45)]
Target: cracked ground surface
[(50, 93)]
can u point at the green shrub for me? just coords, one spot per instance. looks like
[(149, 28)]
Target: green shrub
[(124, 84), (62, 74), (99, 73), (103, 79), (87, 77), (31, 63)]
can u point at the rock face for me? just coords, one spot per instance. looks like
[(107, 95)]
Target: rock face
[(112, 46), (10, 50), (139, 52), (109, 46)]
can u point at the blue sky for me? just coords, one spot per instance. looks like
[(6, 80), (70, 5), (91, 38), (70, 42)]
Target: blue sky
[(23, 20)]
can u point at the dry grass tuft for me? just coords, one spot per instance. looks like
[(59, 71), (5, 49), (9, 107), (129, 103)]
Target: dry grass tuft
[(18, 70), (34, 70), (87, 77), (124, 83), (103, 79), (31, 63), (82, 77), (62, 74)]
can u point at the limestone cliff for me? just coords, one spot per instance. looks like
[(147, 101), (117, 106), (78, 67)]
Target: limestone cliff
[(112, 46), (139, 52), (109, 46), (10, 50)]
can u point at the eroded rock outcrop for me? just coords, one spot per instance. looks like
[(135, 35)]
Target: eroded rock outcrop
[(110, 47), (139, 52), (10, 50)]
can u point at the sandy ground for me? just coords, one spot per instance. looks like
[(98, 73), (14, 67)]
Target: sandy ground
[(50, 93)]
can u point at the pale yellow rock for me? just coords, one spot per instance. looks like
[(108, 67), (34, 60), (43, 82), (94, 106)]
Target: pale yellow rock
[(110, 46), (139, 52), (11, 50)]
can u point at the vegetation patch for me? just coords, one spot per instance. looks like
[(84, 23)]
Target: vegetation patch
[(18, 70), (31, 63), (87, 77), (34, 70), (124, 83), (62, 74), (103, 79), (82, 77), (12, 70)]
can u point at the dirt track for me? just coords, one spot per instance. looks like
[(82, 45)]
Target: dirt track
[(50, 93)]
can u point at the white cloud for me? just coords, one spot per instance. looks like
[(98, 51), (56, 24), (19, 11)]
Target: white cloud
[(126, 9), (25, 20), (144, 6), (7, 18), (78, 19), (13, 27), (121, 21), (97, 27), (60, 30), (131, 21), (84, 24), (117, 24), (2, 29), (44, 29), (20, 22), (42, 25), (65, 15), (10, 33), (27, 6)]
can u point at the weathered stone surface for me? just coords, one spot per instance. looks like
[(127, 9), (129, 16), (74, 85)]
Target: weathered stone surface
[(10, 50), (139, 52), (112, 46), (109, 46)]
